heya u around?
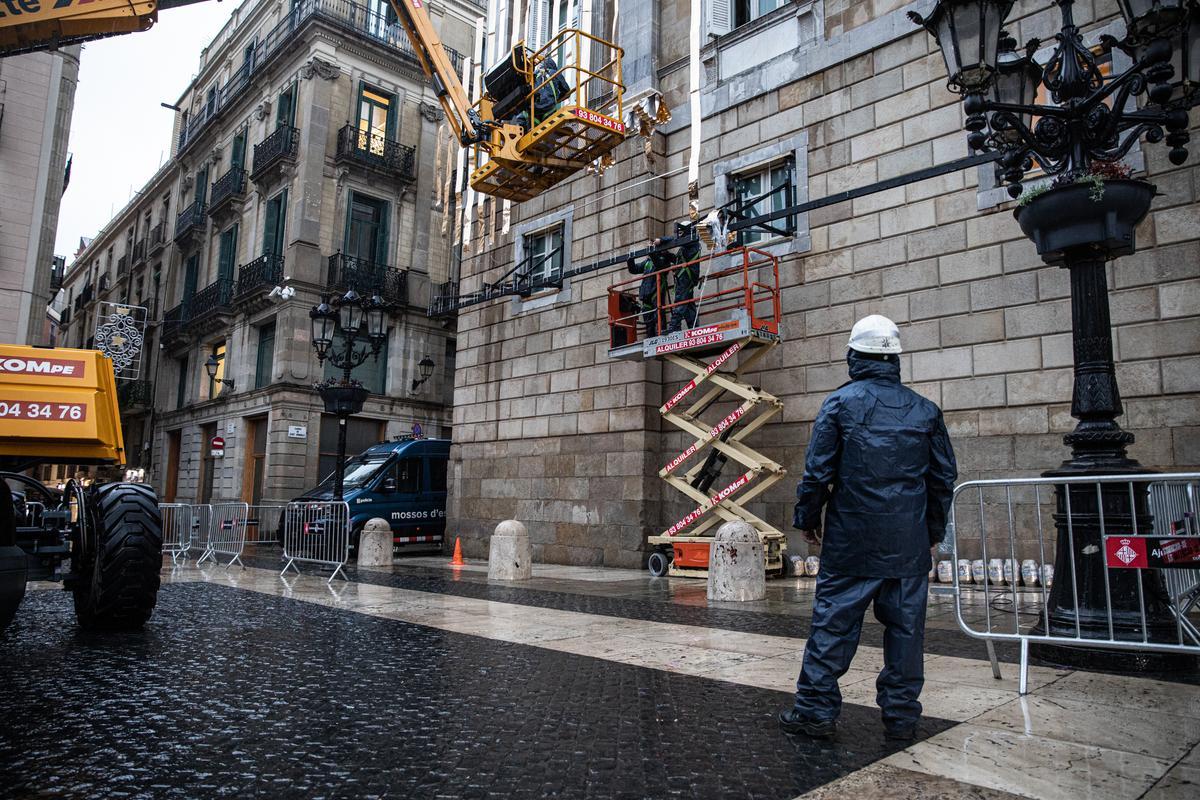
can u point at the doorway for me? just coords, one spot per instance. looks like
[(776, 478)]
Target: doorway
[(208, 464), (171, 489), (254, 472)]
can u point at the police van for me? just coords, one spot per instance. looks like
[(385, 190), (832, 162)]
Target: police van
[(404, 482)]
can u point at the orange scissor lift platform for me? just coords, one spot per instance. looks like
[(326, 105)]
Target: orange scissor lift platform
[(520, 162), (737, 325)]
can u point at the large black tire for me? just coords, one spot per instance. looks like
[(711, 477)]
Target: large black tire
[(121, 557), (12, 560)]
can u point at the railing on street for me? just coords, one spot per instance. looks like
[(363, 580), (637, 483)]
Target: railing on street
[(264, 525), (317, 533), (1108, 593), (176, 529), (201, 520), (226, 533)]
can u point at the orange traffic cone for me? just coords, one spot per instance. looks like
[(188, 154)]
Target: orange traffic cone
[(457, 561)]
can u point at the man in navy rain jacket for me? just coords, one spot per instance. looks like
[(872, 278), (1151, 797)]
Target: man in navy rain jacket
[(881, 466)]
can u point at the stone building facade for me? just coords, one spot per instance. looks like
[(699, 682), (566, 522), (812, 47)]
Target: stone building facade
[(305, 156), (37, 97), (549, 431)]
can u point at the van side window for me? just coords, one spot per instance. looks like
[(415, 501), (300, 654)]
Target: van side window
[(437, 475), (408, 475)]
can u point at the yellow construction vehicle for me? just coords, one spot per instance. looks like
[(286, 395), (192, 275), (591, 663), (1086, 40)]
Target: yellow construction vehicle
[(103, 541), (543, 114)]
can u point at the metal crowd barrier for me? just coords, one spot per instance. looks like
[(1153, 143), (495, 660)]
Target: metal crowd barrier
[(200, 526), (1115, 528), (317, 533), (226, 533), (264, 525), (176, 529)]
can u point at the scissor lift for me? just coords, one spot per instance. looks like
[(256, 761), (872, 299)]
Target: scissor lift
[(737, 324)]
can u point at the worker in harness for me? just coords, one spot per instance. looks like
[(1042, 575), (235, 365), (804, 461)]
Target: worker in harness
[(653, 286), (880, 465), (687, 277)]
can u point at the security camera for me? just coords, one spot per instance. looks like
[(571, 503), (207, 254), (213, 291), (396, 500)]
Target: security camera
[(276, 292)]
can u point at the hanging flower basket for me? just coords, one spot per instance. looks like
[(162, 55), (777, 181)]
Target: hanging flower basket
[(344, 401), (1098, 216)]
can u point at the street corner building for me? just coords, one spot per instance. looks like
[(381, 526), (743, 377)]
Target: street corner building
[(774, 104), (309, 157)]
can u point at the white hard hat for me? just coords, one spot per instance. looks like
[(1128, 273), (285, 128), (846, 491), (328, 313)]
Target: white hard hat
[(875, 334)]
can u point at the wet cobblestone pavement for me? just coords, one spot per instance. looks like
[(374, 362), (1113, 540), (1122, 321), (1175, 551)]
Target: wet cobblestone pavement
[(231, 693)]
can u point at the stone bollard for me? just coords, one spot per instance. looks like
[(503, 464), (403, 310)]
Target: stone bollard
[(375, 544), (511, 555), (736, 566)]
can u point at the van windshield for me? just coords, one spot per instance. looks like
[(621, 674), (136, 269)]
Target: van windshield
[(359, 471)]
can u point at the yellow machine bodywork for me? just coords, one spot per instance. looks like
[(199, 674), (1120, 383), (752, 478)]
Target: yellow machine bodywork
[(59, 406), (38, 24)]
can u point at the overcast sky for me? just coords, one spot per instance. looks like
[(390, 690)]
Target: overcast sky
[(119, 132)]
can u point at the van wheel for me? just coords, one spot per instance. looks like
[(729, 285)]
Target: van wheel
[(658, 563)]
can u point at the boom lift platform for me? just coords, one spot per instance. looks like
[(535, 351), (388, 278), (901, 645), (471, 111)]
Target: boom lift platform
[(737, 323)]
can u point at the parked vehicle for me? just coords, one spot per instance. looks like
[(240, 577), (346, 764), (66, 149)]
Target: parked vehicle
[(403, 482)]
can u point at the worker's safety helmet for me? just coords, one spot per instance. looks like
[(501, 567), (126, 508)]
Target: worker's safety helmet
[(875, 334)]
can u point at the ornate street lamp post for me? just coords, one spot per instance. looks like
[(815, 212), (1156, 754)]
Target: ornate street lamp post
[(347, 316), (1084, 214)]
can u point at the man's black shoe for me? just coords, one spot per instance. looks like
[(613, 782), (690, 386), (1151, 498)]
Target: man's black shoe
[(792, 722), (901, 733)]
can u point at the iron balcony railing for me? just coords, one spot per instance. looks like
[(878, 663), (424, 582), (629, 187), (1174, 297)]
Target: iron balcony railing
[(214, 299), (157, 239), (173, 319), (357, 18), (58, 271), (84, 297), (442, 299), (264, 271), (383, 155), (64, 317), (134, 394), (279, 145), (368, 278), (122, 265), (139, 251), (104, 279), (225, 188), (190, 220)]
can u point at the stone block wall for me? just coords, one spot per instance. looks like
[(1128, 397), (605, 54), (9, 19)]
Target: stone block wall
[(551, 431)]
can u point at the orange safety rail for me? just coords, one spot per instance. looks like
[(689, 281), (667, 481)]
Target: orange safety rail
[(586, 125), (750, 284)]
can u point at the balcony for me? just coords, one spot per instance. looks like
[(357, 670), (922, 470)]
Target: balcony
[(256, 279), (58, 271), (273, 151), (84, 297), (172, 326), (122, 268), (355, 18), (157, 239), (139, 251), (190, 222), (64, 317), (368, 278), (376, 153), (227, 192), (134, 396), (104, 280), (208, 308)]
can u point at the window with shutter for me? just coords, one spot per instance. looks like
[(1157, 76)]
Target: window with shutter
[(719, 19), (227, 254)]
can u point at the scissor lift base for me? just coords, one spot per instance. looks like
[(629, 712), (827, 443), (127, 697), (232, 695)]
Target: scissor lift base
[(774, 550)]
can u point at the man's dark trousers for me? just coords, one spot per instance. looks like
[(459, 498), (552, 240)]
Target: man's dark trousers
[(838, 609)]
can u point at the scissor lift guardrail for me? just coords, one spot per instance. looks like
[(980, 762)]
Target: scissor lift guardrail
[(738, 313)]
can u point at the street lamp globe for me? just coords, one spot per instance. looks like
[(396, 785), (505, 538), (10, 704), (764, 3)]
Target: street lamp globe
[(324, 321), (968, 31), (376, 318), (211, 366), (426, 366), (1016, 83), (350, 313)]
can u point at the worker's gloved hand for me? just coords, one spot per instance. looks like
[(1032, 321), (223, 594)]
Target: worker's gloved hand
[(813, 536)]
